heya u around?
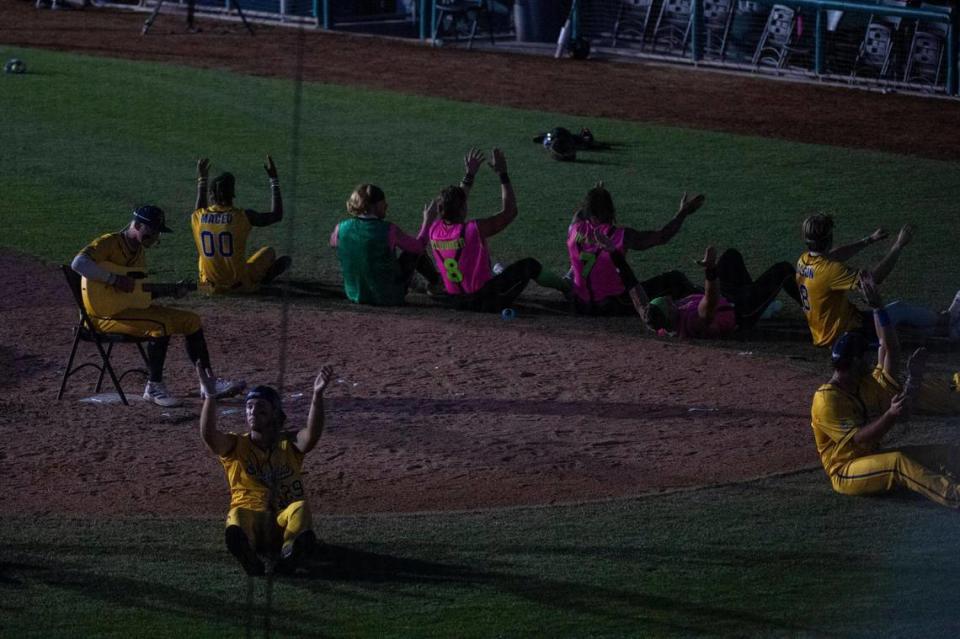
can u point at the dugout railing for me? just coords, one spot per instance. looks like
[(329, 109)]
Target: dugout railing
[(887, 44)]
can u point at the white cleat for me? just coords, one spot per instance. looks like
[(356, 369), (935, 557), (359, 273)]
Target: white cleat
[(226, 388), (157, 393)]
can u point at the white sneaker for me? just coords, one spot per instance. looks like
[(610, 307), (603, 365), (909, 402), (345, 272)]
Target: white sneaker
[(497, 268), (157, 393), (954, 312), (226, 388)]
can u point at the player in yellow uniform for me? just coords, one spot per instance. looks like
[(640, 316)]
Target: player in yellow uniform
[(824, 280), (269, 514), (127, 248), (220, 232), (854, 411)]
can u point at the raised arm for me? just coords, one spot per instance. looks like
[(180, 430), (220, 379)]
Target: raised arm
[(472, 162), (885, 266), (308, 436), (276, 201), (643, 240), (203, 171), (508, 211), (219, 443), (845, 252), (888, 355), (711, 288), (431, 211)]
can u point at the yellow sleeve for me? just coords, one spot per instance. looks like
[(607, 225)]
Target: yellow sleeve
[(877, 390), (841, 277), (101, 249), (832, 416)]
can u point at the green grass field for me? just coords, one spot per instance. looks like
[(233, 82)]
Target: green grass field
[(87, 139), (775, 557)]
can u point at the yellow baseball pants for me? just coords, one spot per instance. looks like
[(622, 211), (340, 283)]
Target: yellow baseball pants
[(929, 470), (153, 321), (270, 534)]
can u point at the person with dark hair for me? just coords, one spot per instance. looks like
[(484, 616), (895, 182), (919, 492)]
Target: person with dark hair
[(269, 514), (731, 300), (824, 279), (599, 287), (461, 254), (127, 249), (853, 412), (377, 258), (221, 229)]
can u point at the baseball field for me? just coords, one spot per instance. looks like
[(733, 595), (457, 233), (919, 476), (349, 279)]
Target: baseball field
[(551, 475)]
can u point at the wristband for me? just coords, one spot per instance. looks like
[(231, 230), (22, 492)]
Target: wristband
[(467, 180), (882, 317), (201, 180), (504, 178), (710, 273), (274, 183)]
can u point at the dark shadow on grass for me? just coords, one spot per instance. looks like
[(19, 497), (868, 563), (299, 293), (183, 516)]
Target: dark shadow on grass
[(340, 563)]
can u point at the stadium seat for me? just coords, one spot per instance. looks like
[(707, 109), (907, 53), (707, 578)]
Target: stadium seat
[(717, 18), (462, 17), (673, 26), (633, 17), (104, 342), (926, 52), (777, 40), (878, 45)]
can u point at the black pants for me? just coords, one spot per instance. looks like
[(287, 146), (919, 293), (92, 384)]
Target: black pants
[(500, 291), (419, 263), (672, 283), (751, 297), (157, 353)]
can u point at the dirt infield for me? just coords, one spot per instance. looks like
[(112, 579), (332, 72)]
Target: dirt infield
[(431, 410)]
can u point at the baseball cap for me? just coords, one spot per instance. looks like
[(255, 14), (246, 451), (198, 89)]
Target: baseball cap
[(848, 347), (152, 216), (659, 313), (265, 392)]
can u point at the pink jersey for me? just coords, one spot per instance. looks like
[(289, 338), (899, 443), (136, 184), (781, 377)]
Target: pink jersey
[(461, 256), (689, 323), (595, 278)]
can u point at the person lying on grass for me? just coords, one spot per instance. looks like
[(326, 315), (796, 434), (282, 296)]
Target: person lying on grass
[(269, 515)]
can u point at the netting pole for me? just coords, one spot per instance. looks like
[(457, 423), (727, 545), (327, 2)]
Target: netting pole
[(433, 19), (575, 21), (818, 42), (952, 48), (423, 23), (697, 25)]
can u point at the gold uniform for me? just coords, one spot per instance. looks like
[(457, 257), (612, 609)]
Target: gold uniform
[(823, 285), (220, 233), (267, 497), (154, 321), (858, 469)]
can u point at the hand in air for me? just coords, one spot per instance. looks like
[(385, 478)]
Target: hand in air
[(124, 283), (498, 161), (898, 405), (879, 234), (323, 378), (270, 168), (473, 160), (690, 206), (904, 236), (203, 168), (431, 211), (870, 291), (709, 257), (207, 381)]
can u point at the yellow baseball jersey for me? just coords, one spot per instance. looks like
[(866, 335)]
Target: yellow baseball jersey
[(823, 287), (113, 248), (837, 415), (220, 233), (263, 479)]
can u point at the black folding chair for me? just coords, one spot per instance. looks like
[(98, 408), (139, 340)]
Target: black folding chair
[(462, 17), (86, 331)]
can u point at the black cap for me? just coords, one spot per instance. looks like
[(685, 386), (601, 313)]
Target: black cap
[(848, 347), (152, 216)]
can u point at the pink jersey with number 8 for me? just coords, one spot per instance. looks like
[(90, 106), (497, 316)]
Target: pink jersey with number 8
[(461, 256), (593, 270)]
